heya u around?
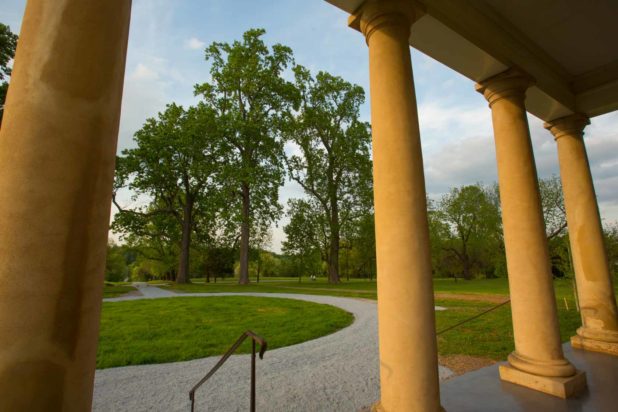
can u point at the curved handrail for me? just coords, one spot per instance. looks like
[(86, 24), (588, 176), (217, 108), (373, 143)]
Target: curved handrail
[(254, 338)]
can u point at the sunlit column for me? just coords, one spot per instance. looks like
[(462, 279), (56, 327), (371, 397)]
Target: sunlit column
[(57, 151), (538, 361), (599, 331), (408, 354)]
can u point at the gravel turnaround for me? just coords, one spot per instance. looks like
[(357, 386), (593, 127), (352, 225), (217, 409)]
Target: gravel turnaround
[(337, 372)]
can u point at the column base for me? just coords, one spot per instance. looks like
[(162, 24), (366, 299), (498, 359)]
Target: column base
[(377, 407), (593, 345), (556, 386)]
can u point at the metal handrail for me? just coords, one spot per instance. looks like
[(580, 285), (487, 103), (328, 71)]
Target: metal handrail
[(473, 317), (241, 339)]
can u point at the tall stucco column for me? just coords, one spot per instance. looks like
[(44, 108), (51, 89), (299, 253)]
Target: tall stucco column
[(538, 361), (57, 152), (407, 340), (599, 331)]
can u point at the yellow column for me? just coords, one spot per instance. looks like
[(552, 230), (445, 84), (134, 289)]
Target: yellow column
[(57, 151), (599, 331), (538, 361), (408, 353)]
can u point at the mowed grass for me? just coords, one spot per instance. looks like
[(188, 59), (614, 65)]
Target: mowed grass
[(114, 291), (490, 336), (363, 288), (170, 330)]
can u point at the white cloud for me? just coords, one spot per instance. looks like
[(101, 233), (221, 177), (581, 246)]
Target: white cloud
[(194, 44), (463, 162), (143, 72)]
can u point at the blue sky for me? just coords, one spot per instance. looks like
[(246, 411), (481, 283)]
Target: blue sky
[(165, 60)]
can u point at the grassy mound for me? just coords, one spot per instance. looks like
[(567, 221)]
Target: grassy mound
[(176, 329)]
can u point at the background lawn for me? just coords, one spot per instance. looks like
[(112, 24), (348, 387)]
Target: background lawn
[(490, 336), (169, 330), (114, 290)]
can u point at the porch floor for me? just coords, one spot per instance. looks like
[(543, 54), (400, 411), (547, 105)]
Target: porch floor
[(482, 390)]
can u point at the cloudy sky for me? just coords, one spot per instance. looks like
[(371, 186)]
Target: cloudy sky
[(165, 60)]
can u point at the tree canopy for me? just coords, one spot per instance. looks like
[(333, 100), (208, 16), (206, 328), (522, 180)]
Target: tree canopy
[(333, 165), (8, 45), (473, 218), (175, 165)]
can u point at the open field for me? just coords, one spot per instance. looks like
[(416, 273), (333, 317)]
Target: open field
[(111, 290), (489, 336), (168, 330), (479, 288)]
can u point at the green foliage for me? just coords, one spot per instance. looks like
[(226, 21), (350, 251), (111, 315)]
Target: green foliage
[(170, 330), (333, 166), (175, 165), (8, 44), (554, 214), (117, 263), (466, 234), (610, 232), (552, 202), (250, 97), (466, 227), (218, 262)]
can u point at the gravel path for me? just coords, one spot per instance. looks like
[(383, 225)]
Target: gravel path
[(337, 372)]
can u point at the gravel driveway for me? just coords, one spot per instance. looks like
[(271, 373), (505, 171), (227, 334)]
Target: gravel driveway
[(337, 372)]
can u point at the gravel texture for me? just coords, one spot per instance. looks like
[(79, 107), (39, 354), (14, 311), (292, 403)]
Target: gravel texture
[(337, 372)]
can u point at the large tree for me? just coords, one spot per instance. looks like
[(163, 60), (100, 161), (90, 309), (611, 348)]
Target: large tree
[(8, 44), (306, 241), (552, 202), (250, 95), (175, 167), (333, 165), (474, 221)]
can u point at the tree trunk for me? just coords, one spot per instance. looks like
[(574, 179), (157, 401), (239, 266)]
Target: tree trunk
[(333, 261), (187, 224), (465, 260), (244, 237)]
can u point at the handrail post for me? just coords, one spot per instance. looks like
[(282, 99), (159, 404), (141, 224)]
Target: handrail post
[(254, 338), (253, 375)]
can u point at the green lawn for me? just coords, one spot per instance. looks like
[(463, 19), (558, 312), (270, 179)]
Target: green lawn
[(362, 287), (169, 330), (114, 291), (489, 336)]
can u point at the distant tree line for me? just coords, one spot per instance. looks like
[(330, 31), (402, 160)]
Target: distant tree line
[(466, 232)]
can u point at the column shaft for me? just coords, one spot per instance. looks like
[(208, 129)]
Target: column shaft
[(408, 349), (57, 151), (599, 331), (538, 349)]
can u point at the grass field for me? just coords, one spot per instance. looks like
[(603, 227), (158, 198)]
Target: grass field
[(115, 290), (169, 330), (490, 336), (363, 288)]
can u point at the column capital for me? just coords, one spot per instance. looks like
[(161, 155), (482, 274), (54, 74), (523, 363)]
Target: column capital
[(572, 125), (510, 84), (375, 14)]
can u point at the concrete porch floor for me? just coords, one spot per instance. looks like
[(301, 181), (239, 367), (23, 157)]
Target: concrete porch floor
[(482, 390)]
